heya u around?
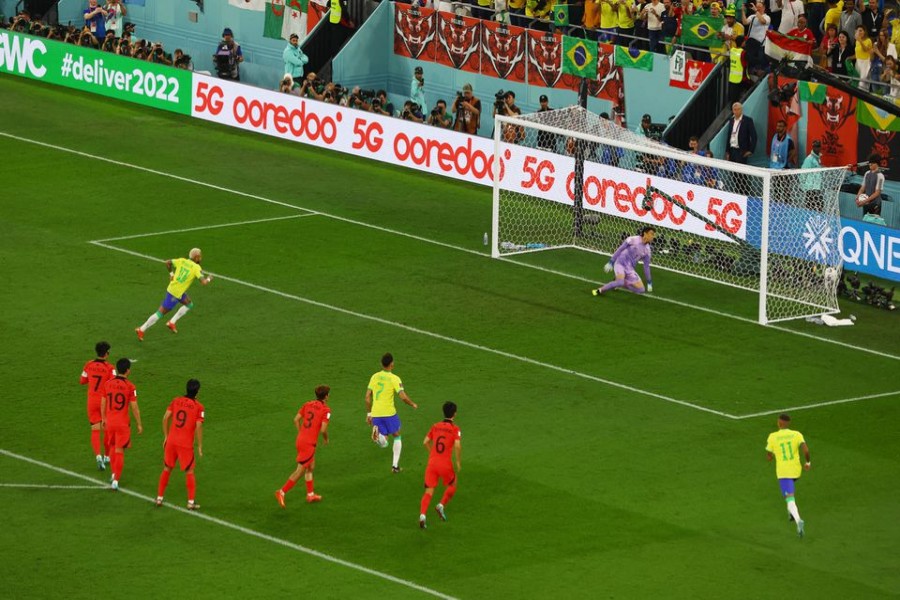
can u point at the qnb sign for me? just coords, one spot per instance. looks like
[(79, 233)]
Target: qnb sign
[(18, 54), (871, 249)]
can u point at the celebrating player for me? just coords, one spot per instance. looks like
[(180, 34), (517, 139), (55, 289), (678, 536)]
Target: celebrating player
[(784, 446), (178, 441), (623, 261), (440, 439), (182, 273), (118, 395), (384, 386), (96, 372), (311, 419)]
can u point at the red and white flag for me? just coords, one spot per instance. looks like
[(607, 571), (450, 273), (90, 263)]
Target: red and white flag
[(780, 46), (257, 5)]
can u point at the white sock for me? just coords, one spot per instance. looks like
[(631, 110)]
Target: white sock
[(792, 508), (398, 446), (180, 313), (149, 322)]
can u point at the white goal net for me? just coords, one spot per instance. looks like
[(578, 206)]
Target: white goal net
[(571, 179)]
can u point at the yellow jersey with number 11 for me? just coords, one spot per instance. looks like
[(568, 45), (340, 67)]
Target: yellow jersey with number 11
[(785, 445)]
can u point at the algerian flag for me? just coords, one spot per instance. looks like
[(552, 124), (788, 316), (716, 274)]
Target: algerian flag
[(294, 19), (257, 5), (579, 57), (274, 19), (812, 92), (561, 15)]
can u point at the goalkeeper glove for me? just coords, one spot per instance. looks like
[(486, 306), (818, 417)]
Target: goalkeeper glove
[(607, 267), (650, 286)]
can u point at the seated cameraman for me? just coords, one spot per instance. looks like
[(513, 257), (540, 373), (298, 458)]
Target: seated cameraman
[(467, 109), (157, 55), (439, 116), (412, 112), (505, 105), (228, 57), (312, 87), (181, 60), (110, 43), (381, 105)]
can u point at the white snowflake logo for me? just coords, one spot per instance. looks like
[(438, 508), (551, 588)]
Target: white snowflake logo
[(817, 237)]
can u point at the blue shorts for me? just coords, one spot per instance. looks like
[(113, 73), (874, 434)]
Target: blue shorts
[(787, 486), (170, 301), (387, 425)]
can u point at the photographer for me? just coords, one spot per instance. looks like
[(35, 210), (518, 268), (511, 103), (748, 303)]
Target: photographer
[(228, 57), (439, 116), (505, 105), (110, 43), (124, 47), (286, 85), (87, 39), (181, 60), (467, 109), (312, 87), (157, 55), (21, 23), (417, 88), (95, 20), (381, 105), (412, 112)]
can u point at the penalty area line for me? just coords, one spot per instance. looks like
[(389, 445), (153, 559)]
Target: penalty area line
[(818, 405), (205, 227), (438, 336), (41, 486), (239, 528)]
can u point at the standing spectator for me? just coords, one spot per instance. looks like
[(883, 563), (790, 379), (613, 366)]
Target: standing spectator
[(115, 16), (882, 49), (95, 19), (729, 31), (872, 18), (829, 41), (467, 109), (863, 52), (609, 21), (783, 152), (738, 79), (775, 12), (228, 57), (625, 30), (517, 13), (812, 182), (803, 32), (815, 13), (790, 16), (833, 15), (591, 18), (756, 26), (839, 54), (187, 416), (653, 15), (294, 60), (669, 24), (640, 24), (872, 184), (742, 137), (891, 77), (850, 19), (417, 88)]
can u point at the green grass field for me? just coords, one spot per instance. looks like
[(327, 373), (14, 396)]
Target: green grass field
[(612, 448)]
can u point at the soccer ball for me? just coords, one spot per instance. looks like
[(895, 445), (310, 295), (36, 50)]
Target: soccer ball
[(862, 199), (382, 441), (830, 276)]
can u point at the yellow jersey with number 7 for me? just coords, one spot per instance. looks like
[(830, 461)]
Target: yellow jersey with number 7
[(785, 445), (385, 387), (186, 271)]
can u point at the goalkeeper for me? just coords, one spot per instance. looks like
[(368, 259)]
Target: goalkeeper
[(623, 261)]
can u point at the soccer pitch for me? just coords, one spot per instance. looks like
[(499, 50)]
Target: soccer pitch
[(612, 447)]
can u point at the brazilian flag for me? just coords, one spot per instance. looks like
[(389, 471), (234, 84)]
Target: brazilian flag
[(632, 58), (812, 92), (579, 57), (697, 30), (561, 15)]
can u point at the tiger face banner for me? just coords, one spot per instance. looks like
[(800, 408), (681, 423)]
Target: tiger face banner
[(885, 144), (414, 31), (544, 51), (834, 123), (458, 42), (503, 51), (609, 84)]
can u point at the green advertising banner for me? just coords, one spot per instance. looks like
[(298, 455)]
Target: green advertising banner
[(104, 73)]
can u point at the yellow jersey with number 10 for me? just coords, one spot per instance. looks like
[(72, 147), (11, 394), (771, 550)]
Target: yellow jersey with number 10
[(785, 445), (186, 271), (385, 387)]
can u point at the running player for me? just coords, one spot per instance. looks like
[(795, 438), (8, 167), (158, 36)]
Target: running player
[(381, 413), (623, 261), (118, 395), (442, 437), (178, 441), (95, 373), (784, 446), (182, 273), (311, 419)]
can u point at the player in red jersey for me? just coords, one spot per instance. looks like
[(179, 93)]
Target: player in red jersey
[(178, 441), (312, 418), (442, 437), (94, 374), (118, 395)]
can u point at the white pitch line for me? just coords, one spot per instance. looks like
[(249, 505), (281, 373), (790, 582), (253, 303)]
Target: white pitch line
[(39, 486), (437, 336), (241, 529), (205, 227), (421, 239), (818, 405)]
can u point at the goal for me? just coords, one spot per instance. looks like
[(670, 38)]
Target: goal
[(571, 179)]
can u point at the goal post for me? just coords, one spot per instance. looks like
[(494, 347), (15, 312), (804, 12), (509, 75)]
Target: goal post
[(772, 233)]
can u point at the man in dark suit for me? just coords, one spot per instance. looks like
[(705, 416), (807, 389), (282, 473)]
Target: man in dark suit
[(741, 135)]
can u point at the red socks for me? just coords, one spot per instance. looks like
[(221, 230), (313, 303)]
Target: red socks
[(426, 500), (163, 482), (309, 486), (288, 486), (117, 463), (191, 486), (95, 441), (448, 495)]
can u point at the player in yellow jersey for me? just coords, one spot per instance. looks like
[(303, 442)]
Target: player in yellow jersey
[(784, 446), (182, 273), (383, 388)]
